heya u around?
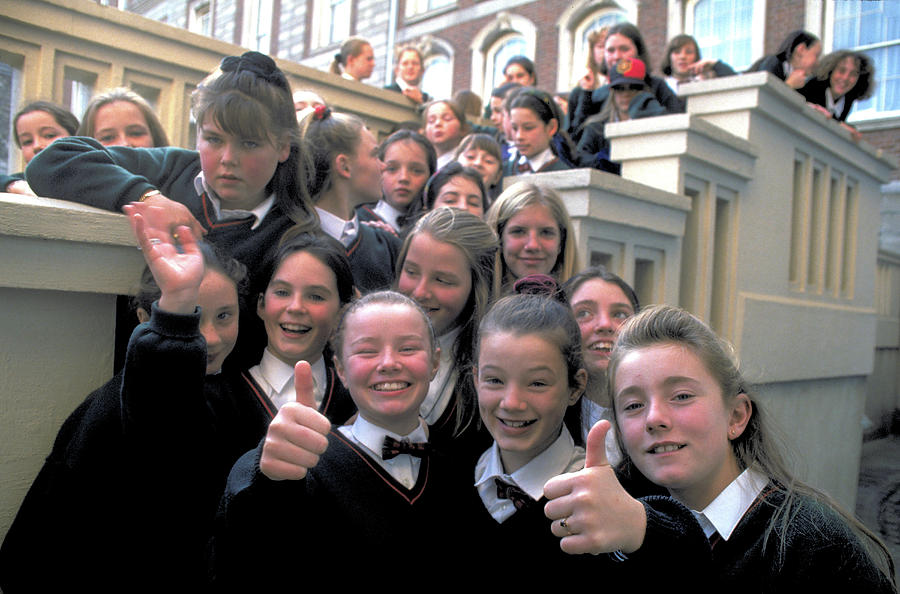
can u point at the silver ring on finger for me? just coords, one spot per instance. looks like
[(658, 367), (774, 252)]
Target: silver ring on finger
[(565, 525)]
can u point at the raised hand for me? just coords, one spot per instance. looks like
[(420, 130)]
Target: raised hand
[(166, 214), (591, 512), (176, 264), (796, 79), (297, 435)]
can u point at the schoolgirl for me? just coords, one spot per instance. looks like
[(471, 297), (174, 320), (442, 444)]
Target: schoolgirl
[(407, 161), (687, 423), (623, 40), (528, 373), (446, 265), (841, 78), (121, 117), (682, 63), (520, 69), (36, 125), (445, 125), (459, 187), (114, 502), (342, 497), (309, 281), (355, 60), (795, 59), (536, 235), (541, 144), (482, 152), (629, 99), (593, 78), (601, 302), (346, 173), (408, 73)]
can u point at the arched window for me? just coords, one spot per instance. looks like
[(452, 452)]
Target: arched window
[(504, 48), (438, 78), (506, 36), (724, 30), (575, 24), (872, 28)]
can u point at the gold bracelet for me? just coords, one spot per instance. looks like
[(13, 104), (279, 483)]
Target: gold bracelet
[(149, 194)]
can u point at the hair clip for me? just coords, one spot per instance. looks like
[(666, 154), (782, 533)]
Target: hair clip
[(321, 112)]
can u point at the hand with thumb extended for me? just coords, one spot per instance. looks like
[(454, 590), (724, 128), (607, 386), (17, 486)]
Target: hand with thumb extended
[(589, 509), (297, 435)]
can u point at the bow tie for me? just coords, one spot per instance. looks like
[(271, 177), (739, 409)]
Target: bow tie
[(519, 498), (393, 447)]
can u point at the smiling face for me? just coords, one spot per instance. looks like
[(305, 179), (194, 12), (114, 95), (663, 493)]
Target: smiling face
[(409, 68), (387, 363), (484, 163), (600, 308), (844, 77), (442, 128), (404, 173), (237, 169), (35, 131), (682, 58), (361, 65), (531, 241), (523, 392), (530, 134), (299, 308), (462, 193), (218, 301), (121, 123), (516, 73), (619, 46), (675, 423), (437, 276)]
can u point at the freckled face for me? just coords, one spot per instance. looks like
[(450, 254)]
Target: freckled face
[(121, 123), (35, 131)]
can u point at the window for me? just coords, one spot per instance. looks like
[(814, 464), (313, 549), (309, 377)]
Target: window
[(606, 18), (258, 25), (78, 88), (873, 28), (506, 36), (574, 24), (728, 30), (417, 7), (504, 49), (437, 80), (200, 17), (10, 98), (331, 22)]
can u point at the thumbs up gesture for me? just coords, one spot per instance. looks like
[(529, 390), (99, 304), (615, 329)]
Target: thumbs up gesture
[(591, 512), (297, 435)]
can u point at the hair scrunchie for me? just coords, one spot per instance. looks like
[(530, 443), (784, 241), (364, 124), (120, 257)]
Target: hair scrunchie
[(320, 112), (259, 64)]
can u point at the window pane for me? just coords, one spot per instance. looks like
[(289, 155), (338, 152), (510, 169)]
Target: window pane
[(339, 25), (723, 30), (514, 46), (438, 78)]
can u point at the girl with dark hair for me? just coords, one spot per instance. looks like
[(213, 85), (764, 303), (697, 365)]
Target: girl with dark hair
[(446, 265), (458, 187), (687, 422), (36, 125), (794, 61), (482, 152), (682, 63), (541, 144), (355, 60), (528, 374), (841, 78), (520, 69), (623, 40), (346, 174), (407, 161)]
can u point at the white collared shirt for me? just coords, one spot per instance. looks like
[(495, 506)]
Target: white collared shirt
[(405, 85), (539, 160), (444, 159), (370, 437), (346, 76), (276, 378), (835, 107), (591, 412), (388, 213), (440, 390), (724, 513), (338, 228), (560, 457), (259, 211)]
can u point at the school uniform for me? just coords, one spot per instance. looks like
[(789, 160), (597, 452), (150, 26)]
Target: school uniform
[(372, 252), (591, 414), (593, 148), (273, 380), (129, 491), (719, 69), (399, 85), (811, 549), (349, 513), (6, 180), (545, 161), (381, 212), (818, 92)]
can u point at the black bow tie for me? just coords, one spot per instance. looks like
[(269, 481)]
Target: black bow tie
[(393, 447), (519, 498)]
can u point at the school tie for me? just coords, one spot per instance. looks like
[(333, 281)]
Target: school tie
[(525, 167), (519, 498), (394, 447)]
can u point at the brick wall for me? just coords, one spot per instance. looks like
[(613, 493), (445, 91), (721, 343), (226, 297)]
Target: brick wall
[(782, 17)]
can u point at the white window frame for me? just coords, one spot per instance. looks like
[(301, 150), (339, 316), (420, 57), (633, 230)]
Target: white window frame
[(258, 16), (322, 24), (571, 27), (486, 42), (757, 28), (200, 17), (415, 8)]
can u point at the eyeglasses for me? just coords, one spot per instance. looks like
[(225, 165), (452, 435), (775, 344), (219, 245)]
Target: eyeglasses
[(628, 88)]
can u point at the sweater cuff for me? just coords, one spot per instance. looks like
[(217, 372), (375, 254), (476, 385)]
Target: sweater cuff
[(670, 527), (174, 325)]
